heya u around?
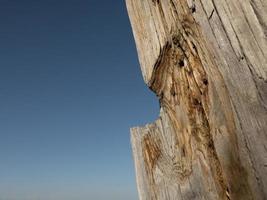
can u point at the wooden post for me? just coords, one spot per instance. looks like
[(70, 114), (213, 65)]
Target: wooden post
[(206, 60)]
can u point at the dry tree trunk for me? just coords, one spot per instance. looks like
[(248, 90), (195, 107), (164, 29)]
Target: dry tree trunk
[(206, 60)]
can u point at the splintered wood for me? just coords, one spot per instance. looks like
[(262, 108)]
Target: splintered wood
[(207, 63)]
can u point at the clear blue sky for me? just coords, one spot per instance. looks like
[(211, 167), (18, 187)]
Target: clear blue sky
[(70, 89)]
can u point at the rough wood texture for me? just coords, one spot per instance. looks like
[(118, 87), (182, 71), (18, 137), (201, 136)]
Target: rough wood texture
[(206, 60)]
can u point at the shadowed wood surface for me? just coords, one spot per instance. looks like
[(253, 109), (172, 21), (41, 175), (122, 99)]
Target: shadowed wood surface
[(207, 63)]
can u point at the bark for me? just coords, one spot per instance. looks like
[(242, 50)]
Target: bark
[(206, 60)]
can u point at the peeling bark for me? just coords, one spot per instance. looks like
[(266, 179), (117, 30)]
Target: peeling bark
[(207, 63)]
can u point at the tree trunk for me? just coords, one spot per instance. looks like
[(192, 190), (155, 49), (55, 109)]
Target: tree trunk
[(206, 60)]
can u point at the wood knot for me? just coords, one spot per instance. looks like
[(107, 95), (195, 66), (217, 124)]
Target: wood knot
[(181, 63), (193, 8), (205, 81), (196, 102)]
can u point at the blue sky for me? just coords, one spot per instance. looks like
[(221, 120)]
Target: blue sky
[(70, 89)]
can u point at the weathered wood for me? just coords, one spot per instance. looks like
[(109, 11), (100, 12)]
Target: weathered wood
[(206, 60)]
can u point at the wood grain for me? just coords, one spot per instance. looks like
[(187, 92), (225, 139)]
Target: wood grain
[(206, 60)]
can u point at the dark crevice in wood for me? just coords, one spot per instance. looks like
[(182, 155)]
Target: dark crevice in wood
[(193, 8), (211, 14)]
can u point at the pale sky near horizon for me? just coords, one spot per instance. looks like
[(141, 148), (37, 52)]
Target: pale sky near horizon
[(70, 89)]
